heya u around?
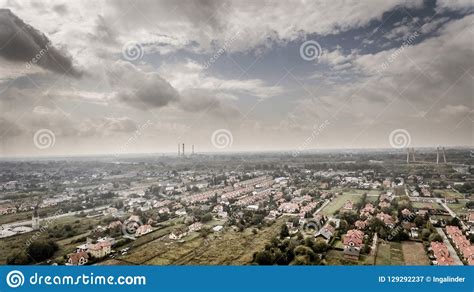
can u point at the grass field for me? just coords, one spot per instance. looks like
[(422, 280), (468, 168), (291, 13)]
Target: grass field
[(80, 228), (459, 208), (414, 254), (339, 201), (372, 199), (422, 205), (389, 254), (336, 258), (449, 194), (226, 248)]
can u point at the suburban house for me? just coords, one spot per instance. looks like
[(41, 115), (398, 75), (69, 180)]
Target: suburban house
[(348, 205), (100, 249), (359, 224), (388, 196), (441, 254), (217, 228), (386, 219), (463, 245), (114, 224), (288, 208), (470, 218), (406, 213), (77, 259), (142, 230), (353, 242), (178, 233), (326, 233), (195, 227), (368, 210), (384, 204)]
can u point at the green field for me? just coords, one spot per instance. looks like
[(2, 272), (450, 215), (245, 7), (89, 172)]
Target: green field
[(389, 254), (422, 205), (449, 194), (459, 208), (226, 248), (372, 199), (339, 201), (336, 258), (414, 254)]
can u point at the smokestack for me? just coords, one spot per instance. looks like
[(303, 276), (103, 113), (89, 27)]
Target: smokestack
[(413, 154), (192, 152), (183, 149), (444, 155), (437, 155), (408, 155), (179, 153)]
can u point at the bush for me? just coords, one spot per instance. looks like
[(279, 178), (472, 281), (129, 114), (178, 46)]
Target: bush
[(41, 250), (206, 218)]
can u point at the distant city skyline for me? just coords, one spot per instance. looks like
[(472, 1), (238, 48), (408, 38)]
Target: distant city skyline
[(119, 77)]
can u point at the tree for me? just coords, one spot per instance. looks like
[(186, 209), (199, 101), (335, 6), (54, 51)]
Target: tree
[(470, 204), (301, 260), (206, 218), (419, 221), (41, 250), (320, 246), (284, 231), (257, 219), (425, 234), (455, 222), (264, 258), (435, 237), (305, 251)]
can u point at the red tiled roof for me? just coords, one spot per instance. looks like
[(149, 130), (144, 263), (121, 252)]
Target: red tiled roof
[(354, 236), (75, 257)]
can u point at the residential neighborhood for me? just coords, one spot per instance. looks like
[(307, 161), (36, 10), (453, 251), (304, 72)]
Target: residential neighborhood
[(129, 213)]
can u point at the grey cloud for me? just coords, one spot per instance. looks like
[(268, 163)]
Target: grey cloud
[(21, 42), (148, 90), (104, 32), (199, 100), (142, 90)]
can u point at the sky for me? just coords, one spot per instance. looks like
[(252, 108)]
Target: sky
[(134, 76)]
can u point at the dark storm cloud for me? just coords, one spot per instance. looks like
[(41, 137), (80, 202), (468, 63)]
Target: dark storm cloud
[(143, 90), (21, 42)]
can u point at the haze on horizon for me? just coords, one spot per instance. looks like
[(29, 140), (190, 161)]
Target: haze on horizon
[(94, 77)]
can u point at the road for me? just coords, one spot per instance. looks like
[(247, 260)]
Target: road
[(322, 206), (28, 222), (448, 209), (451, 249)]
